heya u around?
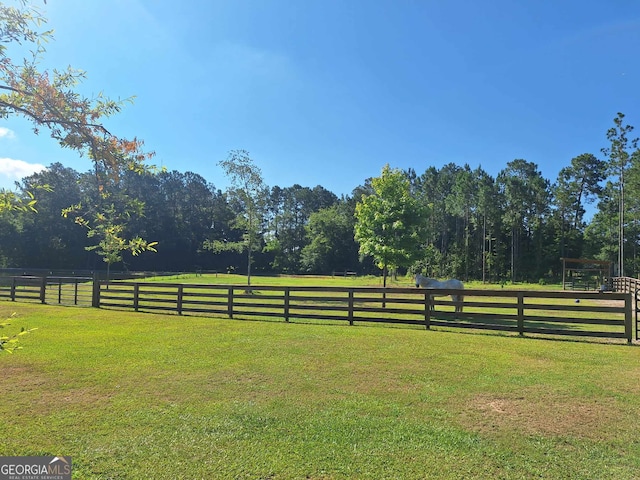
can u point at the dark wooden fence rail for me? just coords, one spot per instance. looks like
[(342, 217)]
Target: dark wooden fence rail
[(47, 289), (592, 314)]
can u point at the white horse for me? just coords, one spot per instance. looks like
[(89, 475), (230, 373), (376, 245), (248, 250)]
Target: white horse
[(452, 284)]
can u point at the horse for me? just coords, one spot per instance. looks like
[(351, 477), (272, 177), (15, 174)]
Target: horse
[(452, 284)]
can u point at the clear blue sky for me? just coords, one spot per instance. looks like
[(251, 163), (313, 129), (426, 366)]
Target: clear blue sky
[(326, 92)]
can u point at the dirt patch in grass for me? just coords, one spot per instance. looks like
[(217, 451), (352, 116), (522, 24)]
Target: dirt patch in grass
[(535, 413), (609, 303), (76, 398), (33, 391), (20, 378)]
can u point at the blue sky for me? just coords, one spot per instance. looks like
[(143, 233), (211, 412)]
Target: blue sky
[(327, 92)]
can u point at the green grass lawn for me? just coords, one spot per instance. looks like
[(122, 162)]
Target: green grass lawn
[(341, 281), (290, 280), (135, 396)]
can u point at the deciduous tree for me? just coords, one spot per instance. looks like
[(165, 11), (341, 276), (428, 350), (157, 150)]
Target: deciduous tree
[(331, 244), (249, 193), (390, 222), (49, 100)]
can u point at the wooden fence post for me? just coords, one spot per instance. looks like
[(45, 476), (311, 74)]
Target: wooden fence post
[(628, 315), (286, 303), (635, 311), (136, 296), (350, 308), (43, 289), (230, 302), (179, 301), (13, 289), (427, 311), (95, 296), (521, 313)]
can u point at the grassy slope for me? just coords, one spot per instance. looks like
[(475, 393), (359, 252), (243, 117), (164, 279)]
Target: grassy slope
[(151, 396)]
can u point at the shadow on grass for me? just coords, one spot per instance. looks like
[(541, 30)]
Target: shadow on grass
[(504, 328)]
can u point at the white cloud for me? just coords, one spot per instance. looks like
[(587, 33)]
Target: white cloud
[(17, 169), (6, 133)]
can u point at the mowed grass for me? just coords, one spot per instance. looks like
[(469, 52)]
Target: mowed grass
[(136, 396), (288, 280), (327, 280)]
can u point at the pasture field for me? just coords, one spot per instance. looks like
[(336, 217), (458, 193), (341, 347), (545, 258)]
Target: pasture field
[(292, 280), (135, 396), (322, 280)]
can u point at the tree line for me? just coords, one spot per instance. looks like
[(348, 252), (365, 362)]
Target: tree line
[(514, 226), (452, 221)]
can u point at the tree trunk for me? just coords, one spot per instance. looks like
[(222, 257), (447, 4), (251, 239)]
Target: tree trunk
[(513, 255), (249, 266), (484, 248)]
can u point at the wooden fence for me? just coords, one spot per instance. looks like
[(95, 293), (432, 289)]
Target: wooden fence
[(48, 289), (631, 286), (625, 285), (565, 313), (588, 314)]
